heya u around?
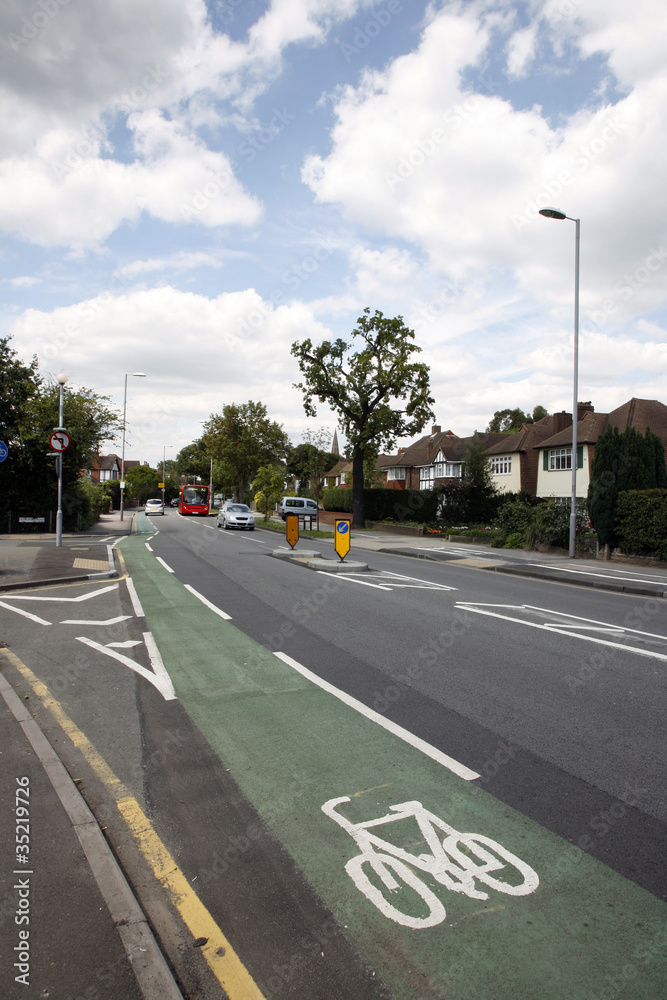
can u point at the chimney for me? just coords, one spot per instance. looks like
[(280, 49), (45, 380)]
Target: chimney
[(401, 451), (436, 430), (561, 421), (583, 408)]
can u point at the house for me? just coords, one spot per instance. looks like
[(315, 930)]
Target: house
[(514, 461), (554, 467), (433, 460), (106, 468)]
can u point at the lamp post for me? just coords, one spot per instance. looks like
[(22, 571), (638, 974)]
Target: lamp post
[(62, 378), (555, 213), (122, 459)]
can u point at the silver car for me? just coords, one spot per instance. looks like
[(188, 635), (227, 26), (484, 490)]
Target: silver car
[(154, 507), (236, 515)]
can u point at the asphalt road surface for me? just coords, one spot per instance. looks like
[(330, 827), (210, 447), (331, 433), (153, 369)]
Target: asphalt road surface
[(421, 781)]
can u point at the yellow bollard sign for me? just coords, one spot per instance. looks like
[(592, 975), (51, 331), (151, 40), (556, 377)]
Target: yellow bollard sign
[(342, 538), (292, 529)]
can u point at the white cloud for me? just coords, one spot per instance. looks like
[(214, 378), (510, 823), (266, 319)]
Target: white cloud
[(181, 261), (25, 281), (521, 50)]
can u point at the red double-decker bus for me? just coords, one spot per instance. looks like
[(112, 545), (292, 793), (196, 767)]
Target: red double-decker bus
[(193, 500)]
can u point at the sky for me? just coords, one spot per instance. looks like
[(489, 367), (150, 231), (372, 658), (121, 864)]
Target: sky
[(189, 187)]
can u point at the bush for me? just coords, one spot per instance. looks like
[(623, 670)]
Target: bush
[(420, 506), (551, 524), (515, 516), (516, 540), (641, 522)]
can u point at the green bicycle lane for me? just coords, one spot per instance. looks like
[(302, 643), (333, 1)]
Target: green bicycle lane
[(583, 933)]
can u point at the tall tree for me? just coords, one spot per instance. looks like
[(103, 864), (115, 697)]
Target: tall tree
[(244, 438), (364, 387), (510, 421), (622, 461)]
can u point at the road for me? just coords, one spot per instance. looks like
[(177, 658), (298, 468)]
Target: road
[(259, 715)]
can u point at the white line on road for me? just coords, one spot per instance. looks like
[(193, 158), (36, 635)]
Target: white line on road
[(26, 614), (163, 563), (165, 688), (158, 665), (563, 631), (351, 579), (601, 576), (223, 614), (134, 597), (592, 621), (148, 546), (109, 621), (73, 600), (442, 758)]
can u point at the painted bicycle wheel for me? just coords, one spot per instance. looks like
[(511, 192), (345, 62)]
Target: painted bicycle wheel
[(396, 878)]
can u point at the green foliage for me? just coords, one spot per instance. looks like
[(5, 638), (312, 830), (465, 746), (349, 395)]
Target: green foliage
[(269, 482), (420, 506), (622, 461), (515, 540), (243, 438), (641, 520), (474, 499), (307, 463), (510, 421), (335, 498), (142, 484), (29, 412), (515, 515), (364, 387), (550, 524)]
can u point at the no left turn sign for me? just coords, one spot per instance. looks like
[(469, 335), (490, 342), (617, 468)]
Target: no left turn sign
[(60, 441)]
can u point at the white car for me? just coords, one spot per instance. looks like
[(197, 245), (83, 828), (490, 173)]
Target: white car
[(154, 507), (236, 515)]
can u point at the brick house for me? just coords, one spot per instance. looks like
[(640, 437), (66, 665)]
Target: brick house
[(106, 468), (433, 460), (554, 475), (514, 460)]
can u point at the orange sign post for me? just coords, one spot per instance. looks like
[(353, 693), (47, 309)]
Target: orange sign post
[(342, 538), (292, 529)]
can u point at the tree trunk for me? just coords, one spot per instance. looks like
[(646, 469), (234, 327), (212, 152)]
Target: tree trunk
[(358, 513)]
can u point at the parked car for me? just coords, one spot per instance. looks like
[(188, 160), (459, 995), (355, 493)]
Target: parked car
[(236, 515), (297, 505), (174, 502), (154, 507)]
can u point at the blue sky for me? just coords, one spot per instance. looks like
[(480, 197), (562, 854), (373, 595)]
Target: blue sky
[(187, 188)]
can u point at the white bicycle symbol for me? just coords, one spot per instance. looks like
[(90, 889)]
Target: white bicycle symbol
[(456, 861)]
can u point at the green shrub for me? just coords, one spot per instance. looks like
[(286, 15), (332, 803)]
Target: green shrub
[(516, 540), (515, 516), (641, 522), (420, 506)]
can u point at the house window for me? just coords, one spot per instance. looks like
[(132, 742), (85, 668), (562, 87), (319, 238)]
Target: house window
[(393, 474), (426, 477), (560, 458), (452, 470), (501, 466)]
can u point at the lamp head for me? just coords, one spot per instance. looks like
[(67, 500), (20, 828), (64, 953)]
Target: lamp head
[(62, 378), (138, 375), (552, 213)]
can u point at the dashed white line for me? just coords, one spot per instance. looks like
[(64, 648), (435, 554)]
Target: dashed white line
[(204, 600), (134, 597), (163, 563), (442, 758)]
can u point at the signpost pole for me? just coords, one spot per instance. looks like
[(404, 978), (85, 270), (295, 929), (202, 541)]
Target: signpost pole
[(62, 378)]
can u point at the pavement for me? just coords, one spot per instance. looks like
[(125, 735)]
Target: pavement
[(89, 900)]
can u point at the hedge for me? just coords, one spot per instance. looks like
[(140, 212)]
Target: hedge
[(420, 506), (641, 522)]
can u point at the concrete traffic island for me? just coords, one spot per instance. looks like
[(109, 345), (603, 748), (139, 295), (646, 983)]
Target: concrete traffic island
[(315, 560)]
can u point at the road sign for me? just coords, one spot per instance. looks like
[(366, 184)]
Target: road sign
[(4, 451), (342, 538), (292, 529), (60, 441), (160, 486)]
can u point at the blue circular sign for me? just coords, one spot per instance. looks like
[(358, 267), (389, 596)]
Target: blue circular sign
[(342, 527), (4, 451)]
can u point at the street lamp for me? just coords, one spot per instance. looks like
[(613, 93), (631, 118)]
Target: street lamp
[(555, 213), (62, 378), (122, 460)]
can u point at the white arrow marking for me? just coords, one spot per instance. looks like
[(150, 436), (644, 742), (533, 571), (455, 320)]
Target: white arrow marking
[(73, 600), (26, 614), (83, 621), (164, 686)]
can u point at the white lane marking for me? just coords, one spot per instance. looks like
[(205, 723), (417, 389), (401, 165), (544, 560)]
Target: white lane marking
[(563, 631), (148, 546), (158, 665), (601, 576), (424, 583), (83, 621), (26, 614), (134, 597), (593, 621), (223, 614), (167, 691), (351, 579), (437, 755), (163, 563), (73, 600), (123, 645)]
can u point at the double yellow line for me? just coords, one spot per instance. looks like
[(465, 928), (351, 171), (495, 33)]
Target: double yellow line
[(218, 952)]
